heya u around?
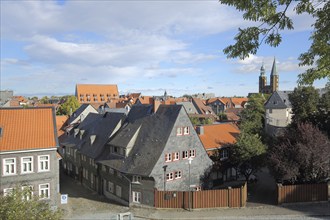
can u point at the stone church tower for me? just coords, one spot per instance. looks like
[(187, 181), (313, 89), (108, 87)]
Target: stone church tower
[(274, 80)]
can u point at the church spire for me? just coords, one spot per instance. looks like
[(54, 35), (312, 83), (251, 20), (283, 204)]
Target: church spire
[(274, 69), (262, 70)]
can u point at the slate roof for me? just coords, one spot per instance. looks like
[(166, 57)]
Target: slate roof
[(103, 127), (151, 140), (77, 113), (278, 100), (189, 106), (26, 129)]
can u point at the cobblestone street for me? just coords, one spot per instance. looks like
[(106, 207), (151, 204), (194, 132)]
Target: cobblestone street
[(86, 204)]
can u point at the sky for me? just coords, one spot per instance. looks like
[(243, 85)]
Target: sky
[(47, 47)]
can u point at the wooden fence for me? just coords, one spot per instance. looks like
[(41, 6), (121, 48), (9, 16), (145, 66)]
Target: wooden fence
[(302, 193), (230, 197)]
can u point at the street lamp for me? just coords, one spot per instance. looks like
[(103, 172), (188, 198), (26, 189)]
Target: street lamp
[(189, 163), (164, 167)]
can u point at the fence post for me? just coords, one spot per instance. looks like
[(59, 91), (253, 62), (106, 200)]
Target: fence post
[(279, 197), (229, 197)]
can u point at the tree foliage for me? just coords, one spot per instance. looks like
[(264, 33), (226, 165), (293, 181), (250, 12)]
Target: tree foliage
[(304, 101), (272, 17), (14, 206), (248, 152), (308, 106), (301, 155), (70, 105)]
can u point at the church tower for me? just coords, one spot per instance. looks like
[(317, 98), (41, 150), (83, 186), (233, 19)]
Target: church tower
[(274, 78), (262, 79)]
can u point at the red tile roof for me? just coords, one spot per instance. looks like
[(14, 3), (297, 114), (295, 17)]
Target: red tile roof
[(61, 121), (24, 129), (146, 100), (218, 135)]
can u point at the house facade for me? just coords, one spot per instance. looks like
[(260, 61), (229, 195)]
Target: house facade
[(278, 112), (96, 93), (149, 151), (28, 152)]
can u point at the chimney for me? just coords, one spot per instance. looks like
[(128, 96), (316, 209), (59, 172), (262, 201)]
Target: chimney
[(200, 130)]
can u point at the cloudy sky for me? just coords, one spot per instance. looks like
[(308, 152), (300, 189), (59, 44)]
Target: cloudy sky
[(47, 47)]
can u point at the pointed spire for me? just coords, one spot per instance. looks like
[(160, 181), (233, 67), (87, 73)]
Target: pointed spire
[(262, 70), (274, 70)]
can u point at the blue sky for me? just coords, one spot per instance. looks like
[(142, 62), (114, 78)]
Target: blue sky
[(47, 47)]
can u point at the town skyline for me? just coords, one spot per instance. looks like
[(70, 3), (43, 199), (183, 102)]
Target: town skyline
[(149, 47)]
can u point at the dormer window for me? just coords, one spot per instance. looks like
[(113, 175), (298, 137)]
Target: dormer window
[(136, 179), (179, 131)]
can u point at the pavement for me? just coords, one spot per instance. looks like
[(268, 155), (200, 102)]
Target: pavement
[(87, 204)]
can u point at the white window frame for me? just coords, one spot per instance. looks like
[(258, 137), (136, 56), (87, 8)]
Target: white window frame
[(6, 191), (168, 157), (27, 197), (192, 153), (186, 130), (178, 174), (169, 176), (26, 164), (185, 154), (43, 190), (136, 196), (224, 154), (179, 131), (9, 168), (40, 162), (176, 156)]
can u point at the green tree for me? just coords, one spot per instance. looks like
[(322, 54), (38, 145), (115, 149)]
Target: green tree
[(44, 100), (304, 101), (70, 105), (272, 17), (16, 206), (222, 116), (249, 151), (252, 117)]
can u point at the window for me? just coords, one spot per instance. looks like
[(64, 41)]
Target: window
[(136, 179), (9, 166), (43, 164), (26, 164), (223, 154), (110, 187), (169, 176), (27, 192), (184, 154), (136, 197), (177, 174), (176, 156), (7, 191), (111, 171), (185, 130), (270, 111), (179, 131), (192, 153), (44, 191), (168, 157), (118, 191)]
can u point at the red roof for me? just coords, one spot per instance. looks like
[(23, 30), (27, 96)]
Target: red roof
[(25, 129), (217, 135)]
